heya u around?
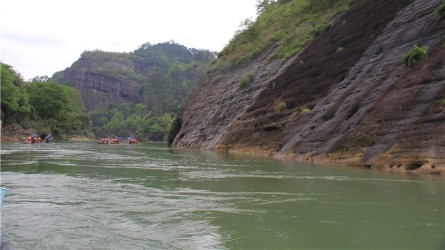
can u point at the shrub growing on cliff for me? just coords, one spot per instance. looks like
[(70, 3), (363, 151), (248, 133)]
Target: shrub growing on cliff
[(282, 105), (415, 56), (247, 79), (440, 11)]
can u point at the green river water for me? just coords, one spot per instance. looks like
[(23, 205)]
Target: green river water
[(82, 195)]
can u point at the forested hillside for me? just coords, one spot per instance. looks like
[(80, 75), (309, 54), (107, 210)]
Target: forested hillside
[(135, 93)]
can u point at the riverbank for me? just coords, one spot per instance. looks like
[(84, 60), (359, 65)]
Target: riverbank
[(14, 134), (408, 163), (20, 135)]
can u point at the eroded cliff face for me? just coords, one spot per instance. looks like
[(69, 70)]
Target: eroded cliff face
[(347, 97), (96, 88)]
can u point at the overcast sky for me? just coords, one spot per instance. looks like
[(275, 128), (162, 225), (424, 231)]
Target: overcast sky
[(40, 37)]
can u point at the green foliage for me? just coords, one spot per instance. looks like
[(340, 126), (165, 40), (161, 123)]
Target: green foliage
[(292, 23), (414, 56), (440, 11), (246, 80), (131, 119), (58, 104), (46, 106), (10, 92), (320, 5), (14, 97), (321, 28)]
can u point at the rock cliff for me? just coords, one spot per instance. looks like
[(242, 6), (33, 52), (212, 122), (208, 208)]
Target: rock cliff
[(96, 88), (345, 98), (149, 75)]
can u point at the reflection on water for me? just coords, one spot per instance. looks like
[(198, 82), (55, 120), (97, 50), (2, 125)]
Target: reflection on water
[(146, 196)]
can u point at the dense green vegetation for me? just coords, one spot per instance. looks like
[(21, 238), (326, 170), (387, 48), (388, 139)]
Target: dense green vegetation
[(290, 23), (131, 119), (14, 97), (59, 105), (45, 106), (415, 55), (174, 70)]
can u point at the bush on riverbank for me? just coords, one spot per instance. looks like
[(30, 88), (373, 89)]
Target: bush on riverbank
[(48, 106)]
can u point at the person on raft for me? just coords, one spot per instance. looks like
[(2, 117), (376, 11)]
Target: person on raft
[(47, 138), (34, 137)]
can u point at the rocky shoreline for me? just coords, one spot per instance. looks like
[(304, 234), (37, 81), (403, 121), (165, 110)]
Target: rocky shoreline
[(405, 165)]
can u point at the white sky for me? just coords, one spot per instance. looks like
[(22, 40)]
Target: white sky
[(40, 37)]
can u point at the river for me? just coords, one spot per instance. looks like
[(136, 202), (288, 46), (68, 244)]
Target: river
[(82, 195)]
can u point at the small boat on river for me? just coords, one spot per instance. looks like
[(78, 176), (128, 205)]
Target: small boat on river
[(36, 139), (29, 140), (105, 140), (132, 140)]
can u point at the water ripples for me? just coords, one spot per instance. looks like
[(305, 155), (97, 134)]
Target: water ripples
[(88, 196)]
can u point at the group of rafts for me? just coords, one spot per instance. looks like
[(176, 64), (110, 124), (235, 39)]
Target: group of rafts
[(116, 140), (104, 140), (34, 138)]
